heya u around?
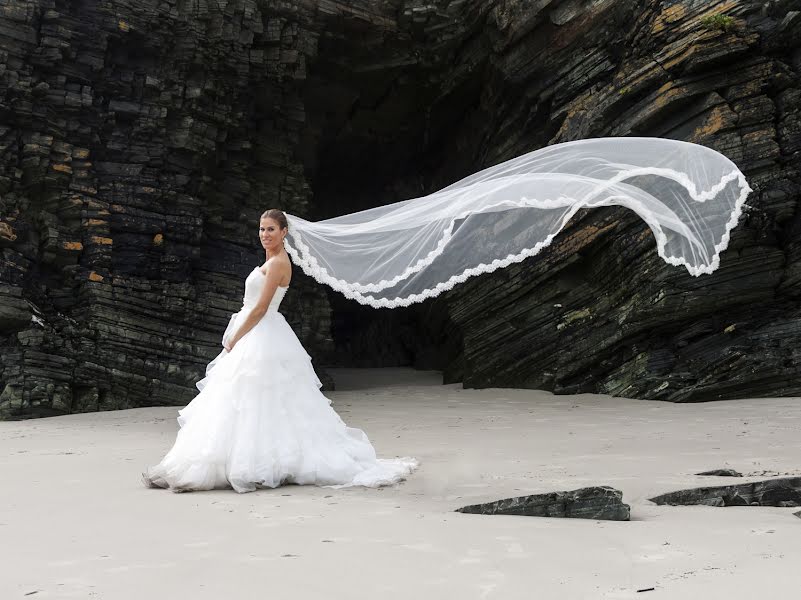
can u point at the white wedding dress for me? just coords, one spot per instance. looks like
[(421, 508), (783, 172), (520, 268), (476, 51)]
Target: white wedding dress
[(260, 419)]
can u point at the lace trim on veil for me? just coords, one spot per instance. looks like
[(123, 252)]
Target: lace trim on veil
[(303, 257)]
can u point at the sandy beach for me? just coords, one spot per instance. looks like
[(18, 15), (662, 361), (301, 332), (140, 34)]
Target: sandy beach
[(75, 521)]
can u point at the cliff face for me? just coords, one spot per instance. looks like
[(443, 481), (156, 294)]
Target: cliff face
[(600, 311), (140, 141)]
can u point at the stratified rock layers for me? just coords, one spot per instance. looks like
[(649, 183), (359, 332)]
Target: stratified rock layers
[(601, 502), (599, 311), (140, 141), (784, 491)]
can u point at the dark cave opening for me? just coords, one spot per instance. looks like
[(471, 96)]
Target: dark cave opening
[(380, 129)]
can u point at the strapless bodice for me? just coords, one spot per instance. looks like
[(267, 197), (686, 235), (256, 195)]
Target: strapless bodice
[(253, 286)]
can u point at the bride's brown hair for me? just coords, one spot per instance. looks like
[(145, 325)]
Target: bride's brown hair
[(276, 215)]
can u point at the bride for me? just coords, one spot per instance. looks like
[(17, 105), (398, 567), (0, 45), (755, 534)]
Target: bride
[(260, 419)]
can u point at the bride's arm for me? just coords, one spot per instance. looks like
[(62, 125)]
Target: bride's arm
[(260, 309)]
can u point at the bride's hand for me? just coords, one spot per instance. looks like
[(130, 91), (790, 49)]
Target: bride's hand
[(229, 344)]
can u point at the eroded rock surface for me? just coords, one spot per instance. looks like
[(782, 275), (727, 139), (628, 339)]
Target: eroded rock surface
[(785, 491), (139, 142), (602, 503), (721, 473)]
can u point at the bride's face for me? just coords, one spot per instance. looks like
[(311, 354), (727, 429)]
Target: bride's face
[(271, 234)]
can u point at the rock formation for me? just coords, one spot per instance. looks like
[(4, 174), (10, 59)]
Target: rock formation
[(140, 141), (720, 473), (783, 491), (600, 311), (602, 503)]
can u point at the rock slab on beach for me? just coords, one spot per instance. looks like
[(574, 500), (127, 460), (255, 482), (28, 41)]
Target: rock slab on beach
[(785, 491), (601, 503), (721, 473)]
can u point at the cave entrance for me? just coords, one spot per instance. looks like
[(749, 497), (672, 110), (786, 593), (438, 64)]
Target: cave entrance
[(380, 129)]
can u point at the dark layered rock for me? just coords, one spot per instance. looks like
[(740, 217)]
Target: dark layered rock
[(599, 311), (785, 491), (413, 104), (601, 503), (721, 473), (140, 141)]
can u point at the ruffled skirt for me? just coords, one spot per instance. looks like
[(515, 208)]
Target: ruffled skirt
[(260, 420)]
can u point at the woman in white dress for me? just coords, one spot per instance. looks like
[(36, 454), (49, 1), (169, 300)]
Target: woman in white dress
[(260, 419)]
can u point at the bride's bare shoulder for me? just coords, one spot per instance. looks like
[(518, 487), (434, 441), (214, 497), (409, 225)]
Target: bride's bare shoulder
[(281, 263)]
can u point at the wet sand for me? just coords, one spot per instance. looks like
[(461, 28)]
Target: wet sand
[(75, 522)]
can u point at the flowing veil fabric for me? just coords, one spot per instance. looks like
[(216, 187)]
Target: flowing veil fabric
[(395, 255)]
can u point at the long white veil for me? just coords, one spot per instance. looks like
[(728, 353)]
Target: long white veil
[(402, 253)]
